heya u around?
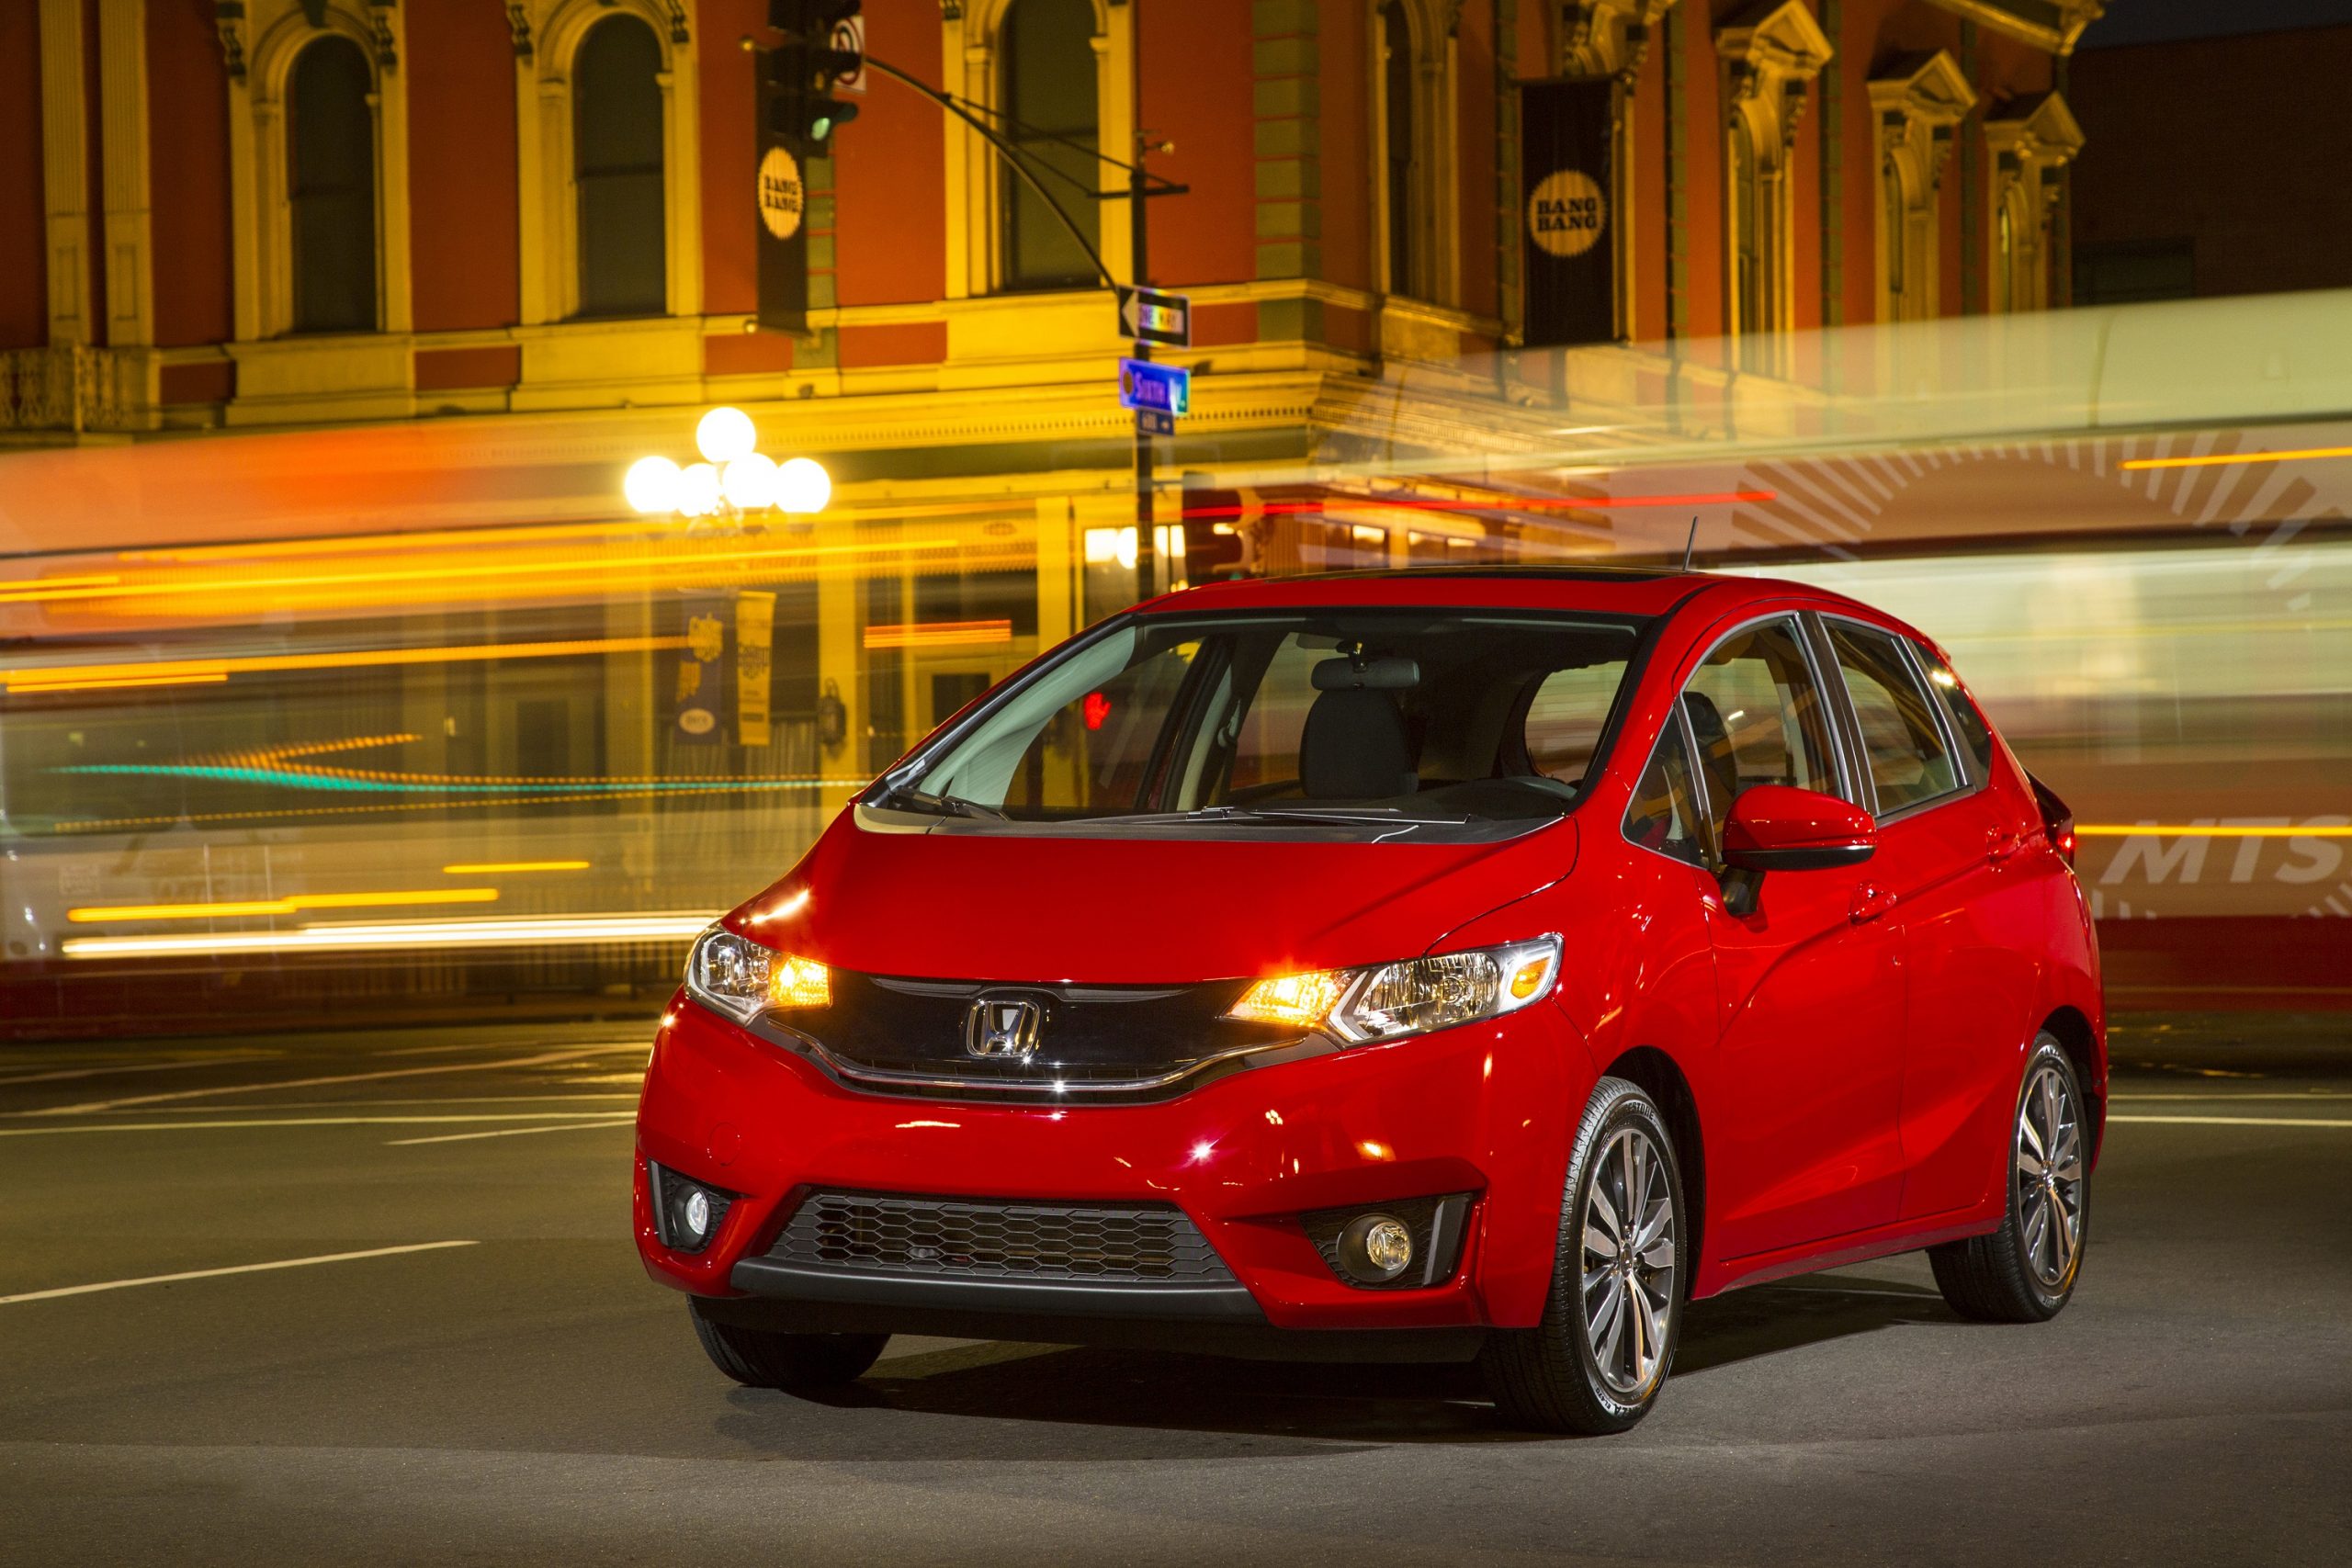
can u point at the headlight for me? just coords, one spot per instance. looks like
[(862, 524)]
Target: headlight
[(740, 978), (1413, 996)]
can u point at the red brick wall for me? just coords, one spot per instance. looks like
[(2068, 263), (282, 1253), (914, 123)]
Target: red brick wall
[(24, 284), (1196, 94), (890, 169), (187, 162), (464, 235)]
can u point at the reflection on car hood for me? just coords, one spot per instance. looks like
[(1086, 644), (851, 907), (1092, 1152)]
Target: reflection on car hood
[(979, 906)]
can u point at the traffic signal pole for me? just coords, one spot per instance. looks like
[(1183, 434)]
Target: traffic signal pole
[(1147, 522)]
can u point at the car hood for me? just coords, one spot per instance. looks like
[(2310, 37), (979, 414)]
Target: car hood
[(1007, 908)]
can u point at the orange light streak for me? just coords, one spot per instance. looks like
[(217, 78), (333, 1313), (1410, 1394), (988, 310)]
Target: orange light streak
[(134, 683), (940, 634), (498, 867), (2225, 460), (185, 670)]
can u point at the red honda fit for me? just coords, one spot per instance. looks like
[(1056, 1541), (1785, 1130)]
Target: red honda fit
[(1418, 965)]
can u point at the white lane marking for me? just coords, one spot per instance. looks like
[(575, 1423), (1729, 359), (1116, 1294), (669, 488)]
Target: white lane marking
[(503, 1133), (292, 1122), (386, 1100), (643, 1044), (96, 1105), (2282, 1094), (235, 1059), (2237, 1120), (237, 1269)]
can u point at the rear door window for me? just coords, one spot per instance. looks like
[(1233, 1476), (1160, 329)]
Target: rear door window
[(1909, 763)]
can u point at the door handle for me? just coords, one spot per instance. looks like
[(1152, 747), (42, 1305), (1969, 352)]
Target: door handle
[(2001, 843), (1871, 901)]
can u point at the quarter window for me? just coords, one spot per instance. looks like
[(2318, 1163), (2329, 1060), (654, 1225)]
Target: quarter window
[(1966, 722), (1907, 758), (1664, 814), (1757, 718)]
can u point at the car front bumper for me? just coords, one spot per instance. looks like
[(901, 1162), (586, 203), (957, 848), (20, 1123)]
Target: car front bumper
[(1474, 1110)]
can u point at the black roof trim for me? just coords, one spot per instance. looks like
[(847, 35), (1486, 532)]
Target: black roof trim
[(1550, 573)]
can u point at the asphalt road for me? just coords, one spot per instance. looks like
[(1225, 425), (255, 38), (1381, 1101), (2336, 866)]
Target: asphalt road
[(514, 1390)]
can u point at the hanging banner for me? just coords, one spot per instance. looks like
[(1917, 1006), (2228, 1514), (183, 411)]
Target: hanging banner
[(782, 236), (700, 696), (755, 655), (1565, 175)]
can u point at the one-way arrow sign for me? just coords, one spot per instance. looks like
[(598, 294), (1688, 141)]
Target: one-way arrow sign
[(1146, 315)]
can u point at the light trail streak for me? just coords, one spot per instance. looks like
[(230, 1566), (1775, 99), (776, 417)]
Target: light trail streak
[(500, 867), (63, 676), (940, 634), (2227, 459), (293, 904), (2194, 831), (571, 930)]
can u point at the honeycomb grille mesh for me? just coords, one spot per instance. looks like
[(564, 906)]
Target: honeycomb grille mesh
[(958, 1239)]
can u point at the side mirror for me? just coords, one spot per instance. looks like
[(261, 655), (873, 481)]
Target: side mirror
[(1775, 828)]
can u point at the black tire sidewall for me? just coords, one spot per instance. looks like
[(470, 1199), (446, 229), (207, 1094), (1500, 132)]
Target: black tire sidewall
[(2047, 1051), (1626, 1107)]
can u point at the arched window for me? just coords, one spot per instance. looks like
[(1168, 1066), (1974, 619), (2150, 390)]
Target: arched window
[(1050, 117), (1751, 299), (1398, 213), (617, 156), (1896, 207), (331, 182)]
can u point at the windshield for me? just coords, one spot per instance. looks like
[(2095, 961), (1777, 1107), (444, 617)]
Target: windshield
[(1330, 717)]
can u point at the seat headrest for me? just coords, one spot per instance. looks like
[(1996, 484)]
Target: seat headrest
[(1354, 747), (1392, 674)]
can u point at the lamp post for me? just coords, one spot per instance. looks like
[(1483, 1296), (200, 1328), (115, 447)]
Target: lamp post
[(733, 487), (731, 491)]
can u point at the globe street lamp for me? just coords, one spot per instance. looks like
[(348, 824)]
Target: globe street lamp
[(734, 483)]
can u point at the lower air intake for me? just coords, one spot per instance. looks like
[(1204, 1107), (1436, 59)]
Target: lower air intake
[(1141, 1243)]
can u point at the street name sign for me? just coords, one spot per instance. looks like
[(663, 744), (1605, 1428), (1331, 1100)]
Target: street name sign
[(1157, 389), (1151, 422), (1146, 315)]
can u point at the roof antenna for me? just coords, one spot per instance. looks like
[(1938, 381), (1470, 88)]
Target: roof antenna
[(1692, 543)]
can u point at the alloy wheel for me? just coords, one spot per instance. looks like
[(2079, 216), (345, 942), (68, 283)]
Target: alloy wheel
[(1629, 1259), (2050, 1178)]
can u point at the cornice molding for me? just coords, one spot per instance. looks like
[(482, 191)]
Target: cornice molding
[(2054, 25)]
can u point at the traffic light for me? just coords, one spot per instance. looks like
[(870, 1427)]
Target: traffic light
[(804, 69)]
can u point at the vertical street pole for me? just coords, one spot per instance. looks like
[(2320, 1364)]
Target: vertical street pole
[(1145, 527)]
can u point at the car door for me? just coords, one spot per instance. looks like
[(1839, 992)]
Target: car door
[(1965, 941), (1807, 1076)]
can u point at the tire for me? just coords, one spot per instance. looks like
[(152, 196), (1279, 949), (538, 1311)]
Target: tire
[(1561, 1376), (796, 1363), (2026, 1271)]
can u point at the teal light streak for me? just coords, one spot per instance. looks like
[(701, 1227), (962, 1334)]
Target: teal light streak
[(289, 778)]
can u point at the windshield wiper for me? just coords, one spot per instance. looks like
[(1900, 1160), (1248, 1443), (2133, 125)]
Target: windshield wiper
[(907, 797), (1342, 815)]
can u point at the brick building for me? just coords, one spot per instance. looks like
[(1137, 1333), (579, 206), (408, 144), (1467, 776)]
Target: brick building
[(243, 214)]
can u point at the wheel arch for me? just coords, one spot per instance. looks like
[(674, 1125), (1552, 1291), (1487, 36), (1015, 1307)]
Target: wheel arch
[(2074, 1031), (1660, 1077)]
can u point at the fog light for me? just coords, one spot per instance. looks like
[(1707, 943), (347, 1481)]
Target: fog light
[(686, 1213), (1376, 1248)]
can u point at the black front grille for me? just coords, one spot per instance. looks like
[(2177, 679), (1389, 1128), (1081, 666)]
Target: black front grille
[(1141, 1243), (892, 1035)]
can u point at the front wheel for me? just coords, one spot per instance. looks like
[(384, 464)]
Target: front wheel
[(1597, 1360), (798, 1363), (2025, 1271)]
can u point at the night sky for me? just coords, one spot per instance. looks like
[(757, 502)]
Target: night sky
[(2167, 21)]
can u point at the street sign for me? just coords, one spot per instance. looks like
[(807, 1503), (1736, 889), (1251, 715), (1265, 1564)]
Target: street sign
[(848, 37), (1151, 422), (1146, 315), (1158, 388)]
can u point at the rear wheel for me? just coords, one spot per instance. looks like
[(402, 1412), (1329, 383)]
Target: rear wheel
[(762, 1358), (1611, 1320), (2025, 1271)]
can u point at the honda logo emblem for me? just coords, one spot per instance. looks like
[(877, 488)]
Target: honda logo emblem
[(1002, 1028)]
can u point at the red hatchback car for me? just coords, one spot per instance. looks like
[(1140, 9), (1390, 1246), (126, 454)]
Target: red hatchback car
[(1416, 965)]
